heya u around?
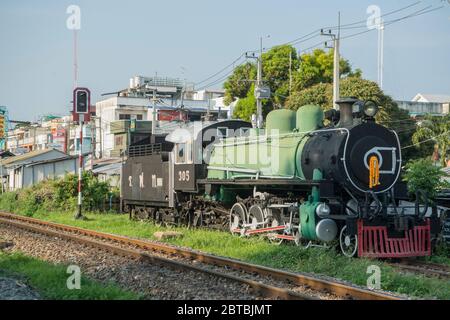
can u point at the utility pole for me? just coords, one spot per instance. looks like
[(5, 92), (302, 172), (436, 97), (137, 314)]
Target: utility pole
[(380, 27), (101, 136), (154, 112), (261, 91), (336, 71), (258, 86), (67, 138), (290, 72), (208, 110), (93, 142), (34, 139), (183, 90)]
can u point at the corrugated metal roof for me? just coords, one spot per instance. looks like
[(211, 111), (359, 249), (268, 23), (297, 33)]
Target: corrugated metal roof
[(34, 163), (106, 161), (109, 169), (28, 155), (439, 98)]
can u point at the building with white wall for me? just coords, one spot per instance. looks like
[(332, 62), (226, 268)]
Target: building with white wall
[(35, 166), (422, 104), (58, 133), (173, 98), (114, 109)]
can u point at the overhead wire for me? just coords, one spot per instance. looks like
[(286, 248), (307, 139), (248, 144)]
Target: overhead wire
[(430, 139), (317, 33), (219, 80), (221, 70), (381, 16), (388, 23)]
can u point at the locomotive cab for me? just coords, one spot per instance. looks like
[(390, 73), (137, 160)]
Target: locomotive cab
[(191, 149)]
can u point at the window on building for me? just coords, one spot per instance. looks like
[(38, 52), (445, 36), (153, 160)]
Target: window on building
[(119, 141), (129, 116), (124, 117)]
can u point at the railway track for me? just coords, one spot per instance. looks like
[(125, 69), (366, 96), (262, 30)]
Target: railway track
[(424, 268), (268, 282)]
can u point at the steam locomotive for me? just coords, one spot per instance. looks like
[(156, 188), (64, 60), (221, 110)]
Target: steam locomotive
[(310, 177)]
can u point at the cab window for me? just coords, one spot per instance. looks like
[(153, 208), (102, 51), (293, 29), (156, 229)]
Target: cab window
[(183, 153), (222, 132)]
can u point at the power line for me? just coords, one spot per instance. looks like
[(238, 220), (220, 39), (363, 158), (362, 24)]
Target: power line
[(381, 16), (415, 120), (221, 70), (307, 50), (403, 131), (220, 79), (415, 14), (304, 38), (316, 33), (432, 138)]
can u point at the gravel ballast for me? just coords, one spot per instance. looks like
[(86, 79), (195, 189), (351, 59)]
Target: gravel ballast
[(16, 289), (152, 281)]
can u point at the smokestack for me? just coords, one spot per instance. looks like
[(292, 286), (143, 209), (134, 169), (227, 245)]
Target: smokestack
[(346, 111)]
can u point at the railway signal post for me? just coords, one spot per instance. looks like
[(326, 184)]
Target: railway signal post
[(81, 113)]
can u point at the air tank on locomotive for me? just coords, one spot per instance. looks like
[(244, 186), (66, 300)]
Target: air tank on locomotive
[(271, 153)]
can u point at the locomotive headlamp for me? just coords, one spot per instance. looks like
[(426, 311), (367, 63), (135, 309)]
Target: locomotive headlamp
[(370, 108)]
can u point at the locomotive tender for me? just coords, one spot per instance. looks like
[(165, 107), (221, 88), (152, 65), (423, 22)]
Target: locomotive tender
[(298, 180)]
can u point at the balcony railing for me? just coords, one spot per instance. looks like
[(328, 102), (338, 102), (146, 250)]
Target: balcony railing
[(145, 150)]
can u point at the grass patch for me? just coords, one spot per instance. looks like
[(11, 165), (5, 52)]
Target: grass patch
[(260, 251), (50, 280)]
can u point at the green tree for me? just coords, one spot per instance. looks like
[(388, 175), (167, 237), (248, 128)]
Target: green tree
[(436, 129), (317, 67), (422, 175), (278, 63), (238, 84), (245, 107), (390, 114), (320, 94)]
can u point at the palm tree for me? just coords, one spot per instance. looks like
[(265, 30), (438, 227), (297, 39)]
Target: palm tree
[(437, 129)]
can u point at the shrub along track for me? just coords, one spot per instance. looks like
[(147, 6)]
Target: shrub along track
[(265, 282)]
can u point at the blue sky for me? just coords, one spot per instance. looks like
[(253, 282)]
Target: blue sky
[(119, 39)]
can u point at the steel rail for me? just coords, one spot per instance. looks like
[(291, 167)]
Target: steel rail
[(424, 268), (336, 288), (265, 290)]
